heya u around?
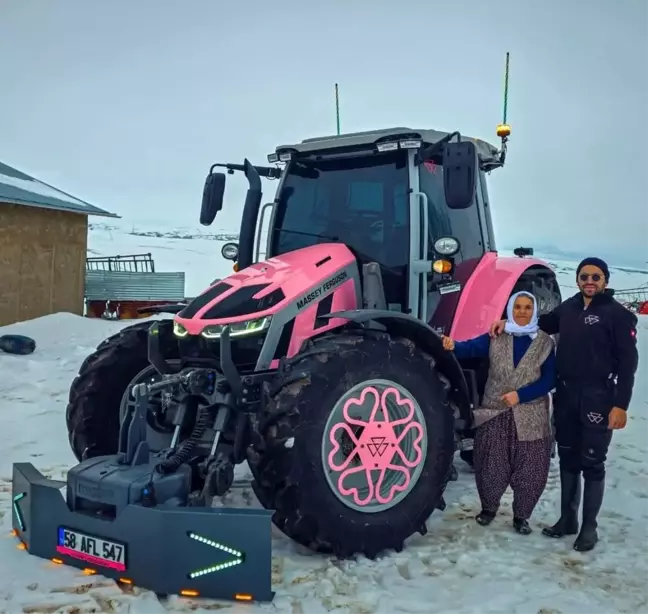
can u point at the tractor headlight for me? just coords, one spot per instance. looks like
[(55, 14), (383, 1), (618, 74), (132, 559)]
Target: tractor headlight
[(238, 329), (230, 251), (446, 246), (179, 330)]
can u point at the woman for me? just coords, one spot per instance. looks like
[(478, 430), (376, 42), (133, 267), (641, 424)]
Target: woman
[(513, 440)]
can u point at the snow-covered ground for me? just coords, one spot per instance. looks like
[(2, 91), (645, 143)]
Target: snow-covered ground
[(458, 567), (196, 251)]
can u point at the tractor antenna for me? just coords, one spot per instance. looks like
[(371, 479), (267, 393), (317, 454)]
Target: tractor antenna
[(337, 109), (503, 129)]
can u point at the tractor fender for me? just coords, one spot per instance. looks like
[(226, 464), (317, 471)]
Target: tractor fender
[(407, 326), (486, 293)]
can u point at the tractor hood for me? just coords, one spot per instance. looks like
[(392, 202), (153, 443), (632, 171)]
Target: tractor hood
[(265, 288)]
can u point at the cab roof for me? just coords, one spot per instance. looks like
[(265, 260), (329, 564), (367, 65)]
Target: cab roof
[(488, 154)]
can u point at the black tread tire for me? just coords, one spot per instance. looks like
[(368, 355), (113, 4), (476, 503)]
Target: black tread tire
[(545, 290), (93, 411), (17, 344), (291, 481)]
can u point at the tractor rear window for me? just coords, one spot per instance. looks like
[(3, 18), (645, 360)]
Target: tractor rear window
[(361, 202)]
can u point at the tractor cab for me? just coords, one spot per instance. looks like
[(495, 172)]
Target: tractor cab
[(412, 201)]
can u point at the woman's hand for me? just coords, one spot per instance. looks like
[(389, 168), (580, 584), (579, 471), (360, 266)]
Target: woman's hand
[(448, 344), (511, 399), (497, 328)]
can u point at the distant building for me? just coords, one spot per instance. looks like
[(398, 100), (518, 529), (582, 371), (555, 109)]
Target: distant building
[(43, 245)]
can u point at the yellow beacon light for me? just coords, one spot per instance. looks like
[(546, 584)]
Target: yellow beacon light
[(503, 131)]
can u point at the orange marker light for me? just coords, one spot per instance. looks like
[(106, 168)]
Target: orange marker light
[(14, 533), (235, 268), (125, 581), (57, 561), (189, 593), (89, 572), (442, 266), (21, 546), (242, 597)]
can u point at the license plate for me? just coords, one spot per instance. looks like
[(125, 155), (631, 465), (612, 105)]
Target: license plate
[(93, 550)]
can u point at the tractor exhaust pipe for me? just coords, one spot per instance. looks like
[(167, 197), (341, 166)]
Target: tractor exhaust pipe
[(250, 216)]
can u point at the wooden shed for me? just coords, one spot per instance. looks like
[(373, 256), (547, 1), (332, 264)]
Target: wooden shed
[(43, 244)]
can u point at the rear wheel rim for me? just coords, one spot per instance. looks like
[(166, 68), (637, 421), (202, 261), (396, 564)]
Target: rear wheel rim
[(374, 446)]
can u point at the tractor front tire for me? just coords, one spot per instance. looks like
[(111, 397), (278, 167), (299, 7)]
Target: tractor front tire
[(96, 394), (299, 456)]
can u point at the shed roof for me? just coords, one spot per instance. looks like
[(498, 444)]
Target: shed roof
[(21, 189)]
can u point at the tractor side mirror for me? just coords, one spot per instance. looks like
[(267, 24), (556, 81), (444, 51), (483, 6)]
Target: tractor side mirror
[(212, 200), (460, 167)]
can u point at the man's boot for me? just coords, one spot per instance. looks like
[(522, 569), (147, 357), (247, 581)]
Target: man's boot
[(592, 500), (570, 496)]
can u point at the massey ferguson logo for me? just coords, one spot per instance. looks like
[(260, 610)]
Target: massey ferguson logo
[(325, 287), (377, 447)]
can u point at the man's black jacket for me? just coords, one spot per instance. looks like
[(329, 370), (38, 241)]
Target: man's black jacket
[(595, 343)]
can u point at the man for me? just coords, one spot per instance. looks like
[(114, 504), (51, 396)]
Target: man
[(596, 361)]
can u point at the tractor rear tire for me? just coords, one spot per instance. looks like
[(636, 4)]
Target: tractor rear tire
[(96, 394), (293, 472), (545, 290)]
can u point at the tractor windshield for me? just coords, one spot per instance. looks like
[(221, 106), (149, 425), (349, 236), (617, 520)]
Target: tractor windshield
[(360, 201)]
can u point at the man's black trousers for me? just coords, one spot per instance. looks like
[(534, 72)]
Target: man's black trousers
[(581, 412)]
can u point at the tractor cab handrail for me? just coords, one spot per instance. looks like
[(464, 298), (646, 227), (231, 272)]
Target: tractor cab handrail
[(269, 172)]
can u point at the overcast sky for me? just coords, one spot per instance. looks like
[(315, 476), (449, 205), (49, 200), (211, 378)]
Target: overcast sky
[(126, 103)]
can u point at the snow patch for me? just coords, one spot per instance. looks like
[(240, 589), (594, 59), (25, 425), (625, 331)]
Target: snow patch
[(458, 567)]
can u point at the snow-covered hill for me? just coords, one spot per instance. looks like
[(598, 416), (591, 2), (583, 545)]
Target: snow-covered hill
[(196, 251)]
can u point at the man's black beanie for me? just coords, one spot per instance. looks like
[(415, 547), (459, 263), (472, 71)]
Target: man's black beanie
[(597, 262)]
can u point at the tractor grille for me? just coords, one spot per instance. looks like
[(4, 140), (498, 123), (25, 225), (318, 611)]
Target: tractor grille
[(245, 351)]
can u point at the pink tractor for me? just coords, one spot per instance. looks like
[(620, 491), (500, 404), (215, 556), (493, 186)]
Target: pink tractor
[(320, 363)]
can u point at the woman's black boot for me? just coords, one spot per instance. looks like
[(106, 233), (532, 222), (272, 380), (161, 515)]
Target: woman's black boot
[(592, 500), (521, 526), (484, 518), (570, 496)]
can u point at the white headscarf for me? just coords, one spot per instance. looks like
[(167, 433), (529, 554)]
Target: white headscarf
[(512, 328)]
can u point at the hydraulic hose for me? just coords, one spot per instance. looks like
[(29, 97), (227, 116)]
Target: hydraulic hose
[(186, 448)]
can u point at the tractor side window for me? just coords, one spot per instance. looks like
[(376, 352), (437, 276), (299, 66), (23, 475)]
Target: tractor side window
[(464, 224)]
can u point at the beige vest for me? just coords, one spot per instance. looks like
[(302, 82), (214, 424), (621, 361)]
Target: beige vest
[(531, 419)]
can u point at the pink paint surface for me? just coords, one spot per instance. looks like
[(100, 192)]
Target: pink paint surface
[(88, 558), (293, 272), (486, 293), (377, 446), (344, 298)]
